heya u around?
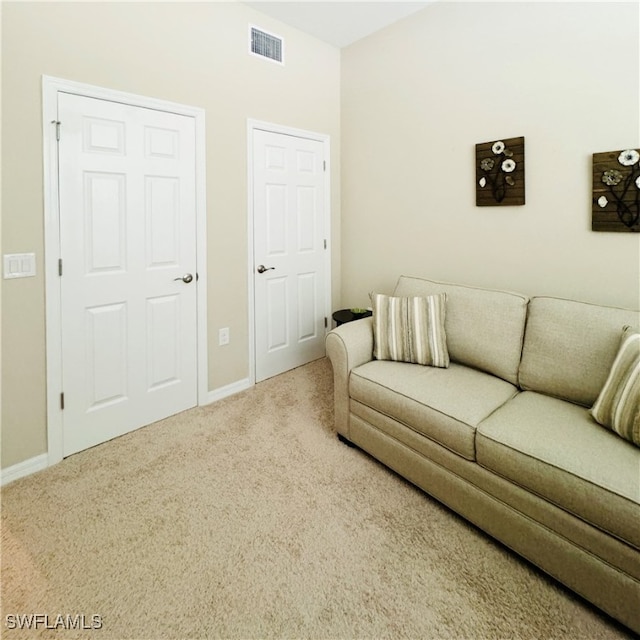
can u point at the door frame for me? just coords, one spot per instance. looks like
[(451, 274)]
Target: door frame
[(51, 86), (325, 139)]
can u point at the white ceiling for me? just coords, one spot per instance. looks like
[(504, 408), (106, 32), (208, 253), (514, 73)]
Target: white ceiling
[(338, 23)]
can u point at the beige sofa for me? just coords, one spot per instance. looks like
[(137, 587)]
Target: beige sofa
[(503, 436)]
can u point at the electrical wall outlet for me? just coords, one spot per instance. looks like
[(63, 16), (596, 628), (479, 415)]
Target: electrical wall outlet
[(223, 336)]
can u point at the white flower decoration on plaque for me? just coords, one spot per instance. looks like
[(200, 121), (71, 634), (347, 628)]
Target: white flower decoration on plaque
[(602, 201), (508, 166), (482, 182), (498, 147), (612, 177), (628, 157)]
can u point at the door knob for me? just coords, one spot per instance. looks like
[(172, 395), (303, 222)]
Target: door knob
[(187, 277), (262, 268)]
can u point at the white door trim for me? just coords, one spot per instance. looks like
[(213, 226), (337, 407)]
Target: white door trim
[(51, 86), (253, 125)]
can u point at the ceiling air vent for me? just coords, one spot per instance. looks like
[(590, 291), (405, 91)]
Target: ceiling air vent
[(266, 45)]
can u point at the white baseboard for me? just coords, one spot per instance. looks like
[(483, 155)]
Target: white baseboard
[(228, 390), (38, 463), (25, 468)]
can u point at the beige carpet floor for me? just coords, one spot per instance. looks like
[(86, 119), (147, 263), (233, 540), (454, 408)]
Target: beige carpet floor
[(249, 519)]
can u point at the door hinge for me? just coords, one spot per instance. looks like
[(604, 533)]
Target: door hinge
[(59, 266), (324, 165), (325, 244), (62, 401), (57, 123), (326, 322)]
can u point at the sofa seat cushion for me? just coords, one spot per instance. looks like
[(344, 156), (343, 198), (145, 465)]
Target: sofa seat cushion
[(445, 405), (556, 450)]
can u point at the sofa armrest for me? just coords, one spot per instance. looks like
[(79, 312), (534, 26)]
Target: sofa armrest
[(348, 346)]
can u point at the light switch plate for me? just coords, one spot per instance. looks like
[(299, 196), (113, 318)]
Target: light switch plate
[(19, 265)]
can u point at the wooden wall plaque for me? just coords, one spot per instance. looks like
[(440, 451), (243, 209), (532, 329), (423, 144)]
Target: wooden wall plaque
[(616, 191), (500, 173)]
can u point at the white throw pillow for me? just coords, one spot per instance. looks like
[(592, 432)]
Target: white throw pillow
[(618, 405), (410, 329)]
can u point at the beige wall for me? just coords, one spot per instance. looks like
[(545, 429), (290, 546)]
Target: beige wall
[(418, 96), (195, 54)]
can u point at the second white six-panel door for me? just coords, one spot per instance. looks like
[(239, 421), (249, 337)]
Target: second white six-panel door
[(289, 251), (128, 247)]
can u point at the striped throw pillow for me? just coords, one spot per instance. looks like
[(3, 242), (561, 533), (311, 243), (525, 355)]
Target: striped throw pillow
[(410, 329), (618, 405)]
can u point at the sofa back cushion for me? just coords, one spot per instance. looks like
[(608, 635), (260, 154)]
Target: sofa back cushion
[(569, 347), (484, 327)]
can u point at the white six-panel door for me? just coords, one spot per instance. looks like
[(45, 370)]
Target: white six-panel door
[(128, 246), (289, 251)]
